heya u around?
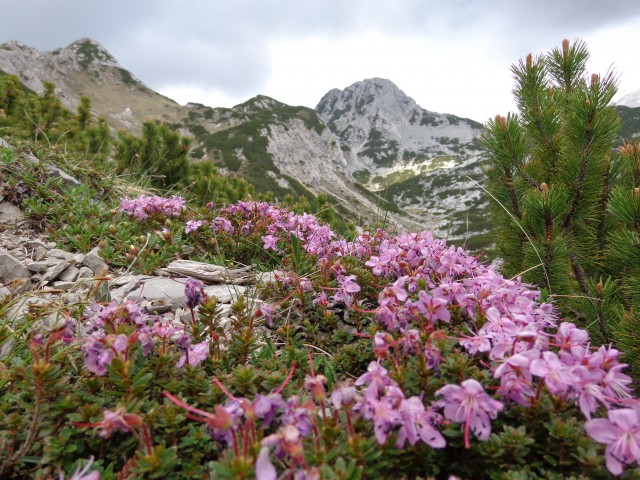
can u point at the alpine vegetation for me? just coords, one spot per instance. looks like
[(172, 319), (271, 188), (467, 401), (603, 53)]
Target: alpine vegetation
[(313, 352)]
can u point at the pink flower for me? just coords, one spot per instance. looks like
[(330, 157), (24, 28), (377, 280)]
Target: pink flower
[(349, 284), (267, 311), (376, 378), (270, 242), (192, 226), (194, 293), (433, 308), (417, 424), (145, 206), (470, 404), (557, 376), (621, 432), (114, 421), (118, 420), (264, 468), (196, 354)]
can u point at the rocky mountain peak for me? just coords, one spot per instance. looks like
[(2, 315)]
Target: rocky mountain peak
[(371, 97), (89, 53), (86, 68)]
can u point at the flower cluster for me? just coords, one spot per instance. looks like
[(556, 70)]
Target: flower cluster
[(106, 341), (430, 284), (146, 206), (427, 299)]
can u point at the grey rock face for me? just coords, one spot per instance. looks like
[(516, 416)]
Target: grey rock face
[(13, 274), (170, 292), (94, 261), (55, 271), (426, 163), (10, 214)]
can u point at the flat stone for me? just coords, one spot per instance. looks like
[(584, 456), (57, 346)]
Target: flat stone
[(210, 273), (94, 261), (40, 253), (36, 243), (64, 286), (54, 171), (225, 293), (4, 292), (53, 272), (13, 274), (59, 253), (10, 214), (171, 291), (85, 272), (126, 279), (37, 267), (70, 274), (28, 302)]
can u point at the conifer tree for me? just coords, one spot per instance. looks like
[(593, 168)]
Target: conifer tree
[(567, 204), (10, 94), (160, 154)]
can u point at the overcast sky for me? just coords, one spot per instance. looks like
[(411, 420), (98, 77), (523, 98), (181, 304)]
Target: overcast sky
[(451, 56)]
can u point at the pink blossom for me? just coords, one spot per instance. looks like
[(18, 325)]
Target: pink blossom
[(621, 433), (146, 206), (270, 242), (558, 377), (194, 293), (195, 353), (376, 379), (192, 226), (264, 468), (417, 424), (268, 311), (433, 308), (349, 284), (470, 404)]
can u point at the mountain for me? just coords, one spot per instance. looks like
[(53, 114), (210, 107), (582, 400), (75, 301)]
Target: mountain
[(425, 163), (85, 68), (377, 154)]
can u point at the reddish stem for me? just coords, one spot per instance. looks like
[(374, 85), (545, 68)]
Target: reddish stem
[(286, 380), (223, 388)]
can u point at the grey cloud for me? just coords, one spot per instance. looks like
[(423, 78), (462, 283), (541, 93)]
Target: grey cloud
[(225, 43)]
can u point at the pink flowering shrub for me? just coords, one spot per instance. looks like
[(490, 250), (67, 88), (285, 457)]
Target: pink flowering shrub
[(146, 206), (382, 355)]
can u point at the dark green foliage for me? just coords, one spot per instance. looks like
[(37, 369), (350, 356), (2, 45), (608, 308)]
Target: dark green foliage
[(127, 78), (89, 52), (630, 122), (243, 149), (160, 155), (566, 208), (208, 185), (383, 152)]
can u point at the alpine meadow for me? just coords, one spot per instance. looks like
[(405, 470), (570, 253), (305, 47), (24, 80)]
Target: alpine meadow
[(366, 289)]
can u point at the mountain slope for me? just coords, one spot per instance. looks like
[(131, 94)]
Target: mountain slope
[(85, 68), (417, 159), (285, 150)]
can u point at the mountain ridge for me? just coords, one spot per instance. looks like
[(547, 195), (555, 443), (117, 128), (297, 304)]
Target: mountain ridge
[(369, 146)]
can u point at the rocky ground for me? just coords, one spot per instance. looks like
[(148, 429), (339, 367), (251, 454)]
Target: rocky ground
[(39, 276)]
